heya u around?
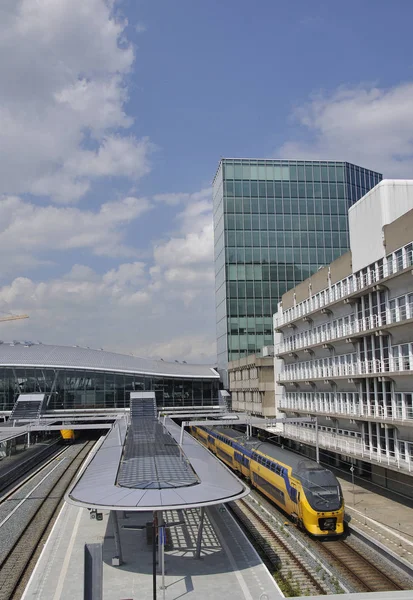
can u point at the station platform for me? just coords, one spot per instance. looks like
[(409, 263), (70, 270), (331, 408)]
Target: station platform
[(384, 519), (229, 567)]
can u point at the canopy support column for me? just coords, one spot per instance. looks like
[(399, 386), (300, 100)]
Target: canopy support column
[(200, 530), (118, 559)]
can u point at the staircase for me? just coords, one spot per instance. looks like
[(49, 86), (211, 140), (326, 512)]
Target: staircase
[(27, 407), (142, 406)]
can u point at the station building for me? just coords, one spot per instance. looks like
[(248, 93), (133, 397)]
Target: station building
[(344, 343), (76, 379)]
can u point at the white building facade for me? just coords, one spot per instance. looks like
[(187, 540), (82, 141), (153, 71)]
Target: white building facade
[(344, 343)]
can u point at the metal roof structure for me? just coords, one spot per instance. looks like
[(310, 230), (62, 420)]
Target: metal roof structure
[(27, 354), (188, 477)]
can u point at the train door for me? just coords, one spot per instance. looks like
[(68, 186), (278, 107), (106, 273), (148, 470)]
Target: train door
[(297, 512)]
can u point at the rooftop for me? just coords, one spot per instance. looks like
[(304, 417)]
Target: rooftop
[(27, 354)]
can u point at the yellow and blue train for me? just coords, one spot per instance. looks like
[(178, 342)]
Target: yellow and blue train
[(309, 493)]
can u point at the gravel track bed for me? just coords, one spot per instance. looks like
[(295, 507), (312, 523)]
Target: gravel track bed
[(9, 503), (16, 467), (293, 572), (382, 563), (301, 543), (23, 536), (360, 569), (341, 574), (11, 529)]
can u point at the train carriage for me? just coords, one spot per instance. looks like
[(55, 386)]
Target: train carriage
[(68, 435), (309, 493)]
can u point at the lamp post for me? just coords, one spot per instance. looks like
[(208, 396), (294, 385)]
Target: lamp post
[(352, 480), (154, 527)]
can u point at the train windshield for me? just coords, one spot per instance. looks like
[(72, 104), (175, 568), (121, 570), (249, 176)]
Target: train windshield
[(322, 489)]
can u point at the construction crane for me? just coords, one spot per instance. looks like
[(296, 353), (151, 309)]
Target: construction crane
[(11, 317)]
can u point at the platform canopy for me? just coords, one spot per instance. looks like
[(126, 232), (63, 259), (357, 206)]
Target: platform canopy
[(141, 466)]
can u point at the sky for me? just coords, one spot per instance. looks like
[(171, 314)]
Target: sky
[(114, 115)]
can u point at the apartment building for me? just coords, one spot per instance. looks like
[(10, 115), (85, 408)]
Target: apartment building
[(251, 383), (344, 343)]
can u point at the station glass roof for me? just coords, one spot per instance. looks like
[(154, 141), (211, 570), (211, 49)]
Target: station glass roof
[(26, 354)]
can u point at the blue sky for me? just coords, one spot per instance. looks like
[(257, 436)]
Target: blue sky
[(113, 117)]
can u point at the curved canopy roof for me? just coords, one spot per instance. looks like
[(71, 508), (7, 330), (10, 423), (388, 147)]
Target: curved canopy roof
[(99, 485), (26, 354)]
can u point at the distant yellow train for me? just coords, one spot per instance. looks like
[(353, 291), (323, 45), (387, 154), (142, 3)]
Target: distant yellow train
[(309, 493), (68, 435)]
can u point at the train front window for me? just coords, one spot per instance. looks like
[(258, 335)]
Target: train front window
[(323, 498), (322, 489)]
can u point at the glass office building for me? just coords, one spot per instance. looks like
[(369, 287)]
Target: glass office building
[(275, 223)]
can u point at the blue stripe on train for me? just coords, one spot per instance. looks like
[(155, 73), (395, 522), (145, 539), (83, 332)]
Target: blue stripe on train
[(292, 492)]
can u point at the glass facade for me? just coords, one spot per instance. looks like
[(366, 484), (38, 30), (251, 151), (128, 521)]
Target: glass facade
[(69, 389), (275, 223)]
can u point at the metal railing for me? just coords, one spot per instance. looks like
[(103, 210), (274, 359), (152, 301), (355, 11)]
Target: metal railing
[(332, 332), (385, 413), (353, 447), (309, 370), (354, 283)]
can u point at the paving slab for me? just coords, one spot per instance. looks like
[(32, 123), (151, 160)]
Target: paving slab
[(229, 567), (380, 517)]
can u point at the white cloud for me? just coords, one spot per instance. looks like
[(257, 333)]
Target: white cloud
[(163, 307), (119, 310), (62, 96), (367, 125), (27, 230), (187, 257)]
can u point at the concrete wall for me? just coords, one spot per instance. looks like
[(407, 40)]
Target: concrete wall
[(386, 202), (399, 233), (338, 269)]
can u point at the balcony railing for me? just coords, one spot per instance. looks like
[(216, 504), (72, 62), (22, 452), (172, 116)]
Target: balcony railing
[(351, 447), (385, 413), (399, 261), (309, 371), (330, 333)]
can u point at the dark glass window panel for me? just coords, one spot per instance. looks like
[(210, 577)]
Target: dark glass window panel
[(309, 173), (262, 205), (286, 189), (324, 173), (229, 188), (294, 189), (238, 188), (316, 173), (277, 189)]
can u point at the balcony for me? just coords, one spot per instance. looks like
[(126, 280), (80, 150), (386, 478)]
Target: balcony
[(389, 367), (312, 338), (337, 408), (351, 287), (349, 447)]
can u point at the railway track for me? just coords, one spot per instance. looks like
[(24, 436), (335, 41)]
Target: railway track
[(32, 474), (352, 569), (11, 473), (363, 575), (295, 576), (15, 560)]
